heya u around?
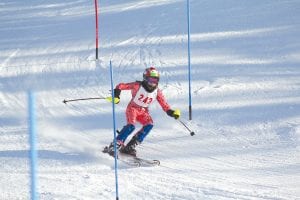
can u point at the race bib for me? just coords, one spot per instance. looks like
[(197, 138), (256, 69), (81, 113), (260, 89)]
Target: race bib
[(144, 98)]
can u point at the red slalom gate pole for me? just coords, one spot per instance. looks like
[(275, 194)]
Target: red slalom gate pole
[(97, 30)]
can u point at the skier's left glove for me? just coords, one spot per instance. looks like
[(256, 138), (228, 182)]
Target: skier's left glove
[(174, 113)]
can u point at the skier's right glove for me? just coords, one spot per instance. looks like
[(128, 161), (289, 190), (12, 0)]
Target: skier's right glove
[(174, 113), (110, 99), (117, 93)]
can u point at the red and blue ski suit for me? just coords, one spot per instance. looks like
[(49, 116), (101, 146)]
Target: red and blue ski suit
[(137, 109)]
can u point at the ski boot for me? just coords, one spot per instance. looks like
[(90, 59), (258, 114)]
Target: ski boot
[(130, 147), (111, 148)]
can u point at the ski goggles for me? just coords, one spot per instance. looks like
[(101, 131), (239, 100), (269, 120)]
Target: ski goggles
[(152, 80)]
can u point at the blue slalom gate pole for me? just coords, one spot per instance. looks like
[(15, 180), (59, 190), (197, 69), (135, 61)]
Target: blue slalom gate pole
[(189, 59), (32, 142), (114, 125), (97, 29)]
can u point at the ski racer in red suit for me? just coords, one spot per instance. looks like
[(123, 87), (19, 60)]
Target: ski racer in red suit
[(143, 95)]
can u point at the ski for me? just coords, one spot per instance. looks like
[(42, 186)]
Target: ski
[(141, 162), (133, 161)]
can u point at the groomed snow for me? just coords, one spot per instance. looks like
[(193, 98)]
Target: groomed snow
[(245, 59)]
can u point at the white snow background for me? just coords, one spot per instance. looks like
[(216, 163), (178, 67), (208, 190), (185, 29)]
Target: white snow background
[(245, 59)]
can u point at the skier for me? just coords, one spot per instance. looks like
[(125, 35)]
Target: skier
[(143, 94)]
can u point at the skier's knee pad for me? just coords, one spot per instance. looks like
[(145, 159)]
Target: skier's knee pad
[(130, 127), (125, 132), (144, 132), (147, 128)]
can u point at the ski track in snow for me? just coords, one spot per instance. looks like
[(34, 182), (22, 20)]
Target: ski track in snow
[(245, 93)]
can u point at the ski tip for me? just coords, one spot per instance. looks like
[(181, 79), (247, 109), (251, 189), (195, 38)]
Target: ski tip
[(156, 162)]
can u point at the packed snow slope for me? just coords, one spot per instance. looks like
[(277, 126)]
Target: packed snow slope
[(245, 58)]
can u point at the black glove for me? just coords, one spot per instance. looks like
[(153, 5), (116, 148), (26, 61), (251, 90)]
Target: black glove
[(174, 113), (117, 93)]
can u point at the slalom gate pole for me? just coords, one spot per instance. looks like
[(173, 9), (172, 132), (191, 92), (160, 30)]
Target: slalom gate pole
[(32, 142), (83, 99), (97, 30), (114, 129), (189, 59)]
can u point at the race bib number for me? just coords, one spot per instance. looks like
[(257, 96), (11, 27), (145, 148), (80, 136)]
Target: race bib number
[(144, 98)]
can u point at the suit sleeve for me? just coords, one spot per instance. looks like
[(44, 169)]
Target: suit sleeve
[(133, 86), (162, 101), (126, 86)]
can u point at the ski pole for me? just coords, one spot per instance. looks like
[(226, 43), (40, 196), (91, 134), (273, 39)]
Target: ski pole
[(192, 133), (83, 99)]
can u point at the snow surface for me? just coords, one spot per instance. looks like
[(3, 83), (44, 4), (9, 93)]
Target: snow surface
[(245, 95)]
